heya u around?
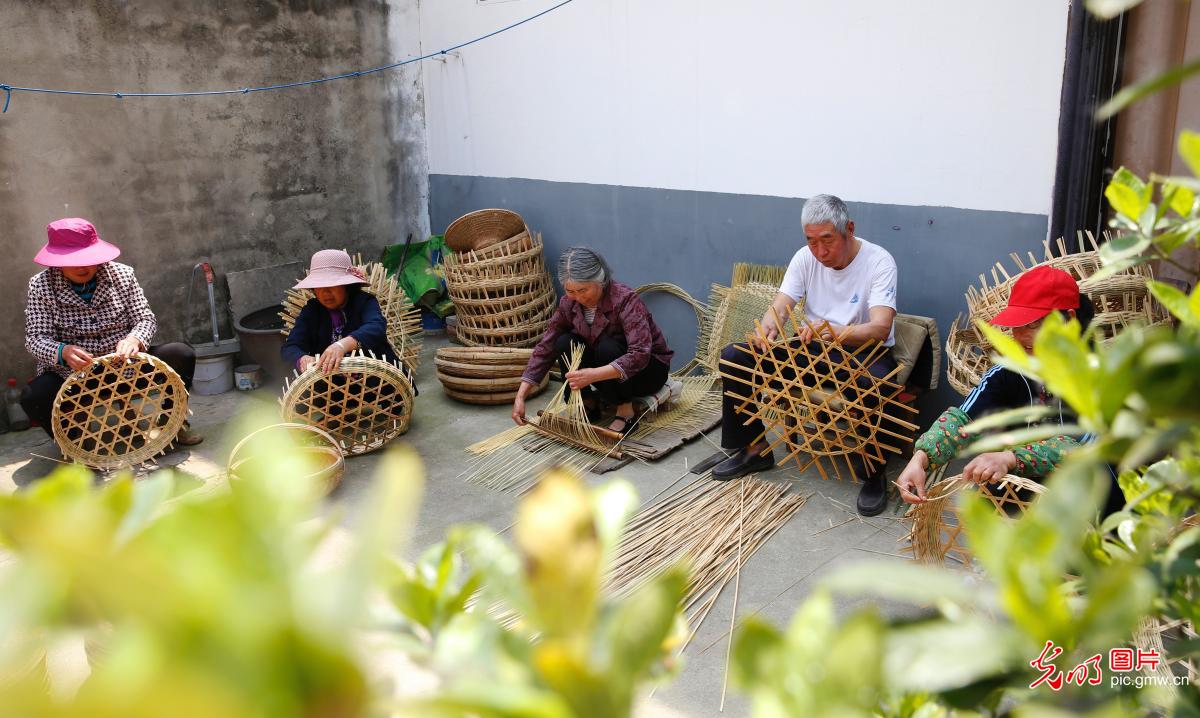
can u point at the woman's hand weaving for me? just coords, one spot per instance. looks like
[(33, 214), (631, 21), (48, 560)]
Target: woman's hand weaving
[(76, 357)]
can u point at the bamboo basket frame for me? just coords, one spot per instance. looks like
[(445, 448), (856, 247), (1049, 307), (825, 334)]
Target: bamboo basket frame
[(311, 439), (1118, 301), (482, 228), (459, 370), (817, 417), (368, 417), (404, 332), (119, 413), (935, 534)]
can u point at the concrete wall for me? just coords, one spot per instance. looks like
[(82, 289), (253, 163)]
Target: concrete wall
[(241, 181), (680, 137)]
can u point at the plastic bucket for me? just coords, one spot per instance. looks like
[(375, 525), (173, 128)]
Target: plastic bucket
[(214, 375)]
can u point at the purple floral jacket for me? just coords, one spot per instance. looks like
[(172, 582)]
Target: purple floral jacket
[(621, 314)]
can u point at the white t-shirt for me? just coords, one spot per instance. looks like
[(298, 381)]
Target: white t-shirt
[(843, 296)]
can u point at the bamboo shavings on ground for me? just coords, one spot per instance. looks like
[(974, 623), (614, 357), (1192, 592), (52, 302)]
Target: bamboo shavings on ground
[(715, 526)]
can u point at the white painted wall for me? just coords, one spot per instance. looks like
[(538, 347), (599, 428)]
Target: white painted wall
[(924, 102)]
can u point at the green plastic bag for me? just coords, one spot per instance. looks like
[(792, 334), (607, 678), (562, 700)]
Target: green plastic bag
[(418, 267)]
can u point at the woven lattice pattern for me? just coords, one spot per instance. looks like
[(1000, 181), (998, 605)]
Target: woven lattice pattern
[(119, 412), (820, 401), (403, 319), (935, 532), (365, 404), (254, 454), (734, 312)]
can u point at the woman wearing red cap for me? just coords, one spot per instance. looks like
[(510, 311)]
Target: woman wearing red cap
[(85, 305), (1035, 295)]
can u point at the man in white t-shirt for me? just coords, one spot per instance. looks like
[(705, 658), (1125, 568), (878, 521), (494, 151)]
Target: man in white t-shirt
[(844, 280)]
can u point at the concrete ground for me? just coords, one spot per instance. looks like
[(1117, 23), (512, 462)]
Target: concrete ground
[(824, 535)]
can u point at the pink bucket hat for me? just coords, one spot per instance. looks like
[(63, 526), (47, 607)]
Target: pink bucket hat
[(331, 268), (73, 242)]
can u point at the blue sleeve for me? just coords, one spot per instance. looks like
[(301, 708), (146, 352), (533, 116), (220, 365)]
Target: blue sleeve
[(372, 332), (999, 389), (296, 344)]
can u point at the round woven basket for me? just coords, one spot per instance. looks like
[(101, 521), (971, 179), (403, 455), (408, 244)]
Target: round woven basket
[(492, 397), (935, 535), (364, 405), (316, 447), (483, 228), (118, 412), (513, 245), (485, 355)]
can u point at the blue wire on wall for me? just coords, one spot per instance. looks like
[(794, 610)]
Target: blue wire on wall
[(9, 89)]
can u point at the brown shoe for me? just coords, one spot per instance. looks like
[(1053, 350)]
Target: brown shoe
[(187, 436)]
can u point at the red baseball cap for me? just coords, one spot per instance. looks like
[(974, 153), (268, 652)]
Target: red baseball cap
[(1035, 294)]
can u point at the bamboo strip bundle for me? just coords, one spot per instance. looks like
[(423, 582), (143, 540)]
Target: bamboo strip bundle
[(561, 436), (404, 331), (715, 526)]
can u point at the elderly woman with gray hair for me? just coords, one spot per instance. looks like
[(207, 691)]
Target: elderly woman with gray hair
[(624, 352)]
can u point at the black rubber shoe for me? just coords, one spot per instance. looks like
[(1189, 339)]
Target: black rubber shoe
[(742, 463), (872, 497)]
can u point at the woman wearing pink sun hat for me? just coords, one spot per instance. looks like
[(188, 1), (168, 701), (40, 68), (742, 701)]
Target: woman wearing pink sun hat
[(85, 305), (339, 319)]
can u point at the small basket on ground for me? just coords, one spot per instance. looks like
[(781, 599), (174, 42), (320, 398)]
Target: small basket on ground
[(118, 412), (316, 447)]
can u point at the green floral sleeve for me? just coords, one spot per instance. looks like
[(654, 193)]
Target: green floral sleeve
[(946, 438)]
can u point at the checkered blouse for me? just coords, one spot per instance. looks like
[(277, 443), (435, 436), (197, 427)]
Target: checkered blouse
[(55, 315)]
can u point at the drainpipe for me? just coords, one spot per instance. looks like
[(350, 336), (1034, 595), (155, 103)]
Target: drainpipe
[(1091, 77)]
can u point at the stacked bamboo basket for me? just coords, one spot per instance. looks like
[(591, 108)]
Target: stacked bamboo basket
[(496, 276), (483, 375)]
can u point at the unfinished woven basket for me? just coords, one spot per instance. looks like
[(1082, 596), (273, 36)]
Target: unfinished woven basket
[(364, 405), (483, 228), (119, 413), (1118, 301), (935, 534), (403, 319), (315, 445)]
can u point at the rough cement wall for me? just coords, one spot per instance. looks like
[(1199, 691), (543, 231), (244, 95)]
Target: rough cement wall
[(240, 181)]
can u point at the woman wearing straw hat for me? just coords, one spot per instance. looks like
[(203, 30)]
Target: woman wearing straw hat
[(1035, 295), (625, 354), (340, 319), (85, 305)]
